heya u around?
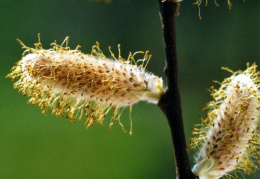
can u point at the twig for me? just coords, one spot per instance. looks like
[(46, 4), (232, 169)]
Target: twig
[(170, 103)]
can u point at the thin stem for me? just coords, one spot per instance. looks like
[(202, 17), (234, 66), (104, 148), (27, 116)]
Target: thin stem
[(170, 103)]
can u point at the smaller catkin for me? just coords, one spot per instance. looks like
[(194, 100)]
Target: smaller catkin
[(228, 138), (71, 84), (199, 2)]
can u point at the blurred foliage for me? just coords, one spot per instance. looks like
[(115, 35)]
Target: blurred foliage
[(33, 145)]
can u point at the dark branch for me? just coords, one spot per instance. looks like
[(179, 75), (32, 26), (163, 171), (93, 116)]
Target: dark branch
[(170, 103)]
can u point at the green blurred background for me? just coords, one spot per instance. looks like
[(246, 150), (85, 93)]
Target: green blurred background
[(33, 145)]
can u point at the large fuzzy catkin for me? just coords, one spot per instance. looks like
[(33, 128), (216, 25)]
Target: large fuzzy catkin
[(228, 139), (70, 84)]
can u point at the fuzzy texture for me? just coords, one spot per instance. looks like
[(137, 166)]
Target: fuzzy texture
[(69, 83), (228, 139)]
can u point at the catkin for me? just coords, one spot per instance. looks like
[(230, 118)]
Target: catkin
[(71, 84), (199, 2), (228, 139)]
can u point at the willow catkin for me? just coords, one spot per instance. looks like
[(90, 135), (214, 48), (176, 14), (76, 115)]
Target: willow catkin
[(71, 84), (199, 2), (228, 139)]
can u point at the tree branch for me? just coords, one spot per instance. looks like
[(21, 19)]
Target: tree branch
[(170, 103)]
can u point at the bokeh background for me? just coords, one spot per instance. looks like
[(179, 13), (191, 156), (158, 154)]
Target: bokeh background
[(33, 145)]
